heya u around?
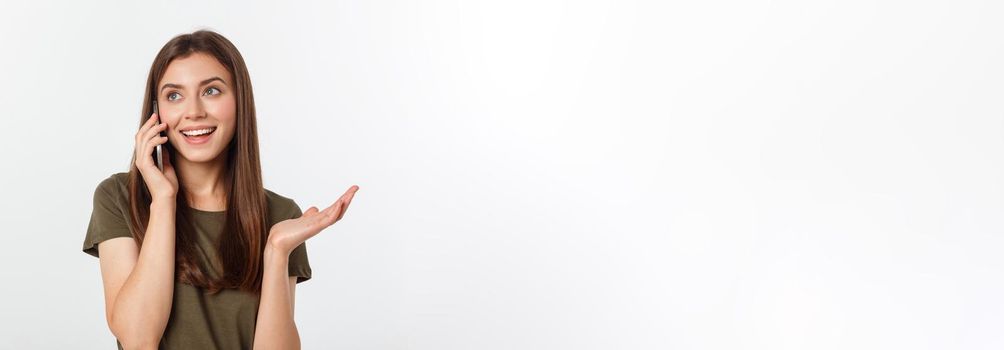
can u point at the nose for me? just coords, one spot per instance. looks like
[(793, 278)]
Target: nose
[(194, 109)]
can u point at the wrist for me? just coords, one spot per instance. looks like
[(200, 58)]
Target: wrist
[(163, 202), (273, 251)]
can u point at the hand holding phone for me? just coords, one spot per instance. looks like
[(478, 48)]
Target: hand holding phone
[(153, 160)]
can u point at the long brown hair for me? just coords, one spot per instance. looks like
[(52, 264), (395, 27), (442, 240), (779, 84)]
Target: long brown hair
[(242, 241)]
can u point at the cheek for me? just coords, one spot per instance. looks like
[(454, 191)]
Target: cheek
[(229, 124), (172, 122), (227, 117), (225, 111)]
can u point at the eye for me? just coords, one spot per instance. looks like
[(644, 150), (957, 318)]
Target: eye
[(173, 96), (212, 91)]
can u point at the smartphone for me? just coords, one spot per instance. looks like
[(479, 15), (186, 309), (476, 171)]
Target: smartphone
[(159, 153)]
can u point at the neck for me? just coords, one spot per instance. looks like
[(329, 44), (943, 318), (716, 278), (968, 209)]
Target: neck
[(203, 182)]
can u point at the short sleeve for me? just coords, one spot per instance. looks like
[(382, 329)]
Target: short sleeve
[(299, 266), (108, 218)]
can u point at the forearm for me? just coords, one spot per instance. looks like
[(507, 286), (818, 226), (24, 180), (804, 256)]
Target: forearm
[(143, 304), (275, 327)]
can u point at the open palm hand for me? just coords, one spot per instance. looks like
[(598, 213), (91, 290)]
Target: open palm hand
[(289, 234)]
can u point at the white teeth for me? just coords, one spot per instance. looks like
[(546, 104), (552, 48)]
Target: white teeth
[(198, 132)]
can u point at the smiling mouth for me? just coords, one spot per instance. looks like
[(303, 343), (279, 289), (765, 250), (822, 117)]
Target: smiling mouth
[(199, 133)]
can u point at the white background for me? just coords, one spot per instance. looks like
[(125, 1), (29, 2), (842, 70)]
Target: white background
[(555, 174)]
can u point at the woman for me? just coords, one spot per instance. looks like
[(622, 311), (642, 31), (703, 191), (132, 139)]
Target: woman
[(200, 255)]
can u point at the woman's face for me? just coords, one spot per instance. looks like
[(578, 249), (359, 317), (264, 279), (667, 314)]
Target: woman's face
[(196, 95)]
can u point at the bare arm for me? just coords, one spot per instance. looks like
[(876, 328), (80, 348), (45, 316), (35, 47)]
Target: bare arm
[(139, 283), (275, 327)]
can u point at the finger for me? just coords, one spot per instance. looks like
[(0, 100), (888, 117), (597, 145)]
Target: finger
[(332, 213), (345, 196), (350, 193), (341, 213), (336, 209), (332, 217), (152, 134), (327, 211), (141, 149), (145, 135), (341, 210), (156, 140), (347, 202), (154, 131), (151, 121), (311, 211), (147, 158), (352, 189)]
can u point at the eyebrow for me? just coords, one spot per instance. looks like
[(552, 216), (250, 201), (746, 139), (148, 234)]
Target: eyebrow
[(204, 82)]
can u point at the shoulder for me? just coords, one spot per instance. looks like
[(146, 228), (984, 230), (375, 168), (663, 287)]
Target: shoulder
[(113, 187), (116, 179), (281, 207)]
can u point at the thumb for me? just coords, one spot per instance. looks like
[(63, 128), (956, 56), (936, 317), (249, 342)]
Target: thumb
[(311, 211)]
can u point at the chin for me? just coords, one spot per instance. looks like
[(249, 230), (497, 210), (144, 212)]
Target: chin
[(202, 156)]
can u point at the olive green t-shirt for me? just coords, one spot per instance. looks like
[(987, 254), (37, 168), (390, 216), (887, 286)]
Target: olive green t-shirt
[(198, 320)]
